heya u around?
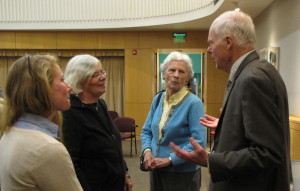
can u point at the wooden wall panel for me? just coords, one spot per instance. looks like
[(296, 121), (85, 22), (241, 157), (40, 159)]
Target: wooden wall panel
[(3, 71), (5, 63), (195, 39), (214, 82), (63, 63), (139, 76), (296, 143), (111, 40), (157, 40), (139, 84), (131, 40), (35, 40), (7, 40), (213, 109), (295, 137), (99, 40), (77, 40), (214, 86)]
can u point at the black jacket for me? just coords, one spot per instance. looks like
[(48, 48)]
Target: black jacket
[(94, 144)]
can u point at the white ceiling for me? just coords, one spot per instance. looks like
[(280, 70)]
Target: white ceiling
[(251, 7)]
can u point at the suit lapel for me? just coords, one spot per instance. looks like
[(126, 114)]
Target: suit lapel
[(252, 56)]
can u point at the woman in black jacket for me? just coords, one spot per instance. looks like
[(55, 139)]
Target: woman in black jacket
[(90, 136)]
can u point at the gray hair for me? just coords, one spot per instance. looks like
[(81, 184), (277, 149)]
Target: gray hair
[(238, 24), (78, 69), (178, 56)]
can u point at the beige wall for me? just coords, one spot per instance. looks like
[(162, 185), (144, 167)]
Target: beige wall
[(278, 26), (140, 74)]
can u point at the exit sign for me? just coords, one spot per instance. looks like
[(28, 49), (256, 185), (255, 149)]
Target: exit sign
[(179, 37)]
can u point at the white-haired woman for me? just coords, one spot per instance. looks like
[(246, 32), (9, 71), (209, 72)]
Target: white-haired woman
[(89, 133), (174, 116)]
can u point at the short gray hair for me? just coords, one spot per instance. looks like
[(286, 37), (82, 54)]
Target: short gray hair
[(178, 56), (238, 24), (78, 69)]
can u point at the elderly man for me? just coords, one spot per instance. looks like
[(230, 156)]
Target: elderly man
[(251, 147)]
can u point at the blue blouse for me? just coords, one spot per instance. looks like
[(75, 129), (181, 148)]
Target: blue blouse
[(38, 123)]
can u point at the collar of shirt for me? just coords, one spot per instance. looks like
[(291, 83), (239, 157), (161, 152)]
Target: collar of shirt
[(176, 98), (38, 123), (236, 65)]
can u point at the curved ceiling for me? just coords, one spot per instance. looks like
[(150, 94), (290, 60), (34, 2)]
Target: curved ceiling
[(183, 15), (251, 7)]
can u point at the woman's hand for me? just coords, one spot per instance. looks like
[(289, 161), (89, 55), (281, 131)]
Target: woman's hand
[(148, 160), (161, 162), (152, 163)]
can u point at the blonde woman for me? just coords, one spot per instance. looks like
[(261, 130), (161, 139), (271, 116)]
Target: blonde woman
[(31, 157)]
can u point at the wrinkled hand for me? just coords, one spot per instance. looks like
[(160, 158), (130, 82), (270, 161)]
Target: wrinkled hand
[(198, 156), (152, 163), (128, 182), (160, 162), (209, 121), (148, 160)]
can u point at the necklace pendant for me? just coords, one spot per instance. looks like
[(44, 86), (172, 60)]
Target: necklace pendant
[(97, 106)]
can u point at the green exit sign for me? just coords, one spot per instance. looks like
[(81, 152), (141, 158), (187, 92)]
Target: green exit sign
[(179, 37)]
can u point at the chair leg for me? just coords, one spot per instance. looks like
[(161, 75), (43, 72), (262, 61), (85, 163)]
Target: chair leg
[(131, 147), (135, 145)]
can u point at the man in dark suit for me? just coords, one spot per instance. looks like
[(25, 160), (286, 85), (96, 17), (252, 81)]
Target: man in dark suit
[(252, 142)]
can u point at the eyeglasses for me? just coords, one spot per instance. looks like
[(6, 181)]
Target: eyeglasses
[(102, 73)]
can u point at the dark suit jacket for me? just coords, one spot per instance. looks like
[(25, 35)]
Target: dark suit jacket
[(252, 141)]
